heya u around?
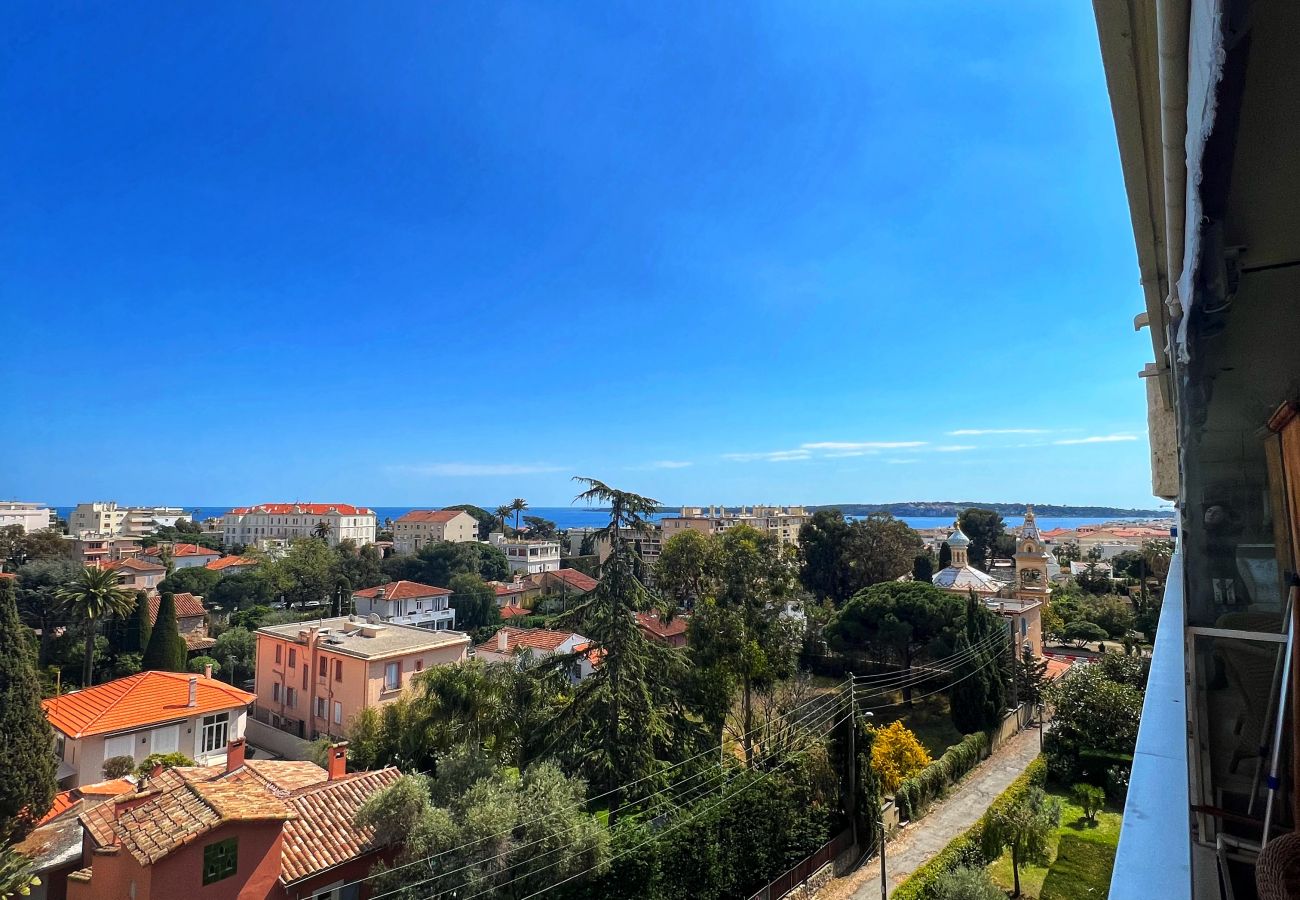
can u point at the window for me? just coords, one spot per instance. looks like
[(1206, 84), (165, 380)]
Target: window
[(165, 739), (419, 665), (338, 713), (392, 676), (322, 668), (290, 697), (305, 669), (120, 745), (293, 657), (215, 732), (320, 707), (220, 860), (275, 692), (278, 648), (338, 670)]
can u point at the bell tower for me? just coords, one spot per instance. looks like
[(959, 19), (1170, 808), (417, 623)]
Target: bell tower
[(1031, 560)]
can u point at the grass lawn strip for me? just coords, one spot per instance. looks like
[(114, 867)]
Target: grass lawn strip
[(1104, 833)]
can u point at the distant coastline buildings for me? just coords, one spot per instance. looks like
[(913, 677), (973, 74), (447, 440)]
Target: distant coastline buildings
[(32, 516), (276, 524)]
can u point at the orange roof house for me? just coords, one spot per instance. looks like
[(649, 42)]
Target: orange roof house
[(672, 633), (510, 643), (150, 712), (249, 829), (191, 618), (231, 564), (407, 603)]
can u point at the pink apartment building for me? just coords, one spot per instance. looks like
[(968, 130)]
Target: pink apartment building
[(313, 678)]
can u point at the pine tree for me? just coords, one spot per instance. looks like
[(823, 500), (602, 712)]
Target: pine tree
[(166, 650), (141, 625), (26, 756)]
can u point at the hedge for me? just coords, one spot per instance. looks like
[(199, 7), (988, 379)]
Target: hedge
[(967, 849), (930, 784)]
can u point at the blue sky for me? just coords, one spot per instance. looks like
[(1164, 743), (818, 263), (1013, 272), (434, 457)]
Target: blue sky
[(423, 253)]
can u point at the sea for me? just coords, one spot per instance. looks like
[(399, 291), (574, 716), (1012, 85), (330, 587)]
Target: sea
[(566, 517)]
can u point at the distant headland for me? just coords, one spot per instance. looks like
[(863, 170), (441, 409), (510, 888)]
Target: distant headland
[(956, 507)]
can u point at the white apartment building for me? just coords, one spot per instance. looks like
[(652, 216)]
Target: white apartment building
[(783, 522), (276, 523), (528, 557), (429, 526), (648, 543), (32, 516), (106, 517), (408, 603)]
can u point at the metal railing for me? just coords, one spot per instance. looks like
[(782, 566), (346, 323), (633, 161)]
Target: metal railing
[(1154, 858), (790, 879)]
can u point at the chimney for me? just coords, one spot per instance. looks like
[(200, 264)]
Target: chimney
[(337, 761), (503, 640), (207, 670), (235, 754), (194, 691)]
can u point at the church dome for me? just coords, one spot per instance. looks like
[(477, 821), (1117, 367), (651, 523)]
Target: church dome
[(957, 538)]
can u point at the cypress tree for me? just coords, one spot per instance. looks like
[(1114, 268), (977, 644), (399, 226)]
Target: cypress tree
[(166, 651), (26, 756), (141, 625), (945, 555)]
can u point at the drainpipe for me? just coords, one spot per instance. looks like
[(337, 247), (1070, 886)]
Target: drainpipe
[(1171, 41)]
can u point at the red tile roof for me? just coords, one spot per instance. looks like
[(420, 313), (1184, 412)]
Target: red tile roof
[(323, 833), (226, 562), (517, 639), (403, 590), (302, 509), (503, 590), (185, 550), (651, 623), (7, 575), (437, 516), (187, 606), (138, 700), (573, 578), (63, 801), (135, 564), (514, 612)]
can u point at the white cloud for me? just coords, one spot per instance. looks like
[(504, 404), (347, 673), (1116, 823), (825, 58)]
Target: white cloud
[(1098, 439), (669, 464), (769, 456), (471, 470), (955, 448), (974, 431), (844, 454), (901, 462), (861, 445)]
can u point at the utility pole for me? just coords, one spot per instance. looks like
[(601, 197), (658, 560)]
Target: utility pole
[(853, 758)]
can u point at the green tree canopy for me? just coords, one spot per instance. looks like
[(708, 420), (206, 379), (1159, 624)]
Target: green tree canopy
[(436, 563), (475, 602), (1025, 828), (166, 651), (26, 755), (238, 646), (195, 580), (240, 590), (840, 558), (987, 533), (686, 569), (1092, 714), (94, 594), (39, 604), (898, 620)]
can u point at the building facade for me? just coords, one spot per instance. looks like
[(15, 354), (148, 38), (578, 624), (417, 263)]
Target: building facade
[(313, 679), (525, 645), (150, 712), (92, 549), (279, 523), (782, 522), (408, 603), (429, 526), (528, 557), (137, 573), (106, 517), (31, 516), (186, 556)]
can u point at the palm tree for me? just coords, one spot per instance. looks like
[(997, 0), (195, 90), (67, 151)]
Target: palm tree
[(323, 530), (517, 506), (93, 594), (503, 513)]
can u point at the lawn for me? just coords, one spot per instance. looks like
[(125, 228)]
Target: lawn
[(928, 719), (1082, 856)]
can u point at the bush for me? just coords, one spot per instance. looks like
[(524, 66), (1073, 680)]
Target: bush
[(967, 849), (1081, 632), (118, 766), (967, 883), (199, 663), (897, 755), (1090, 799), (166, 760), (915, 794)]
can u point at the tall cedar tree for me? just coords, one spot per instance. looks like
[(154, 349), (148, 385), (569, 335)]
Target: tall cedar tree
[(29, 766), (945, 555), (166, 651), (985, 529), (615, 715)]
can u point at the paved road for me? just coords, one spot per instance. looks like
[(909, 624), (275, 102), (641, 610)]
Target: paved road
[(960, 810)]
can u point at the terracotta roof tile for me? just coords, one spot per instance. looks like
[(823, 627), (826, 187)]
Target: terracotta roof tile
[(301, 509), (514, 612), (187, 606), (137, 700), (176, 817), (185, 550), (323, 834), (403, 590), (227, 562), (437, 516), (655, 626), (135, 564), (526, 639), (573, 578)]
